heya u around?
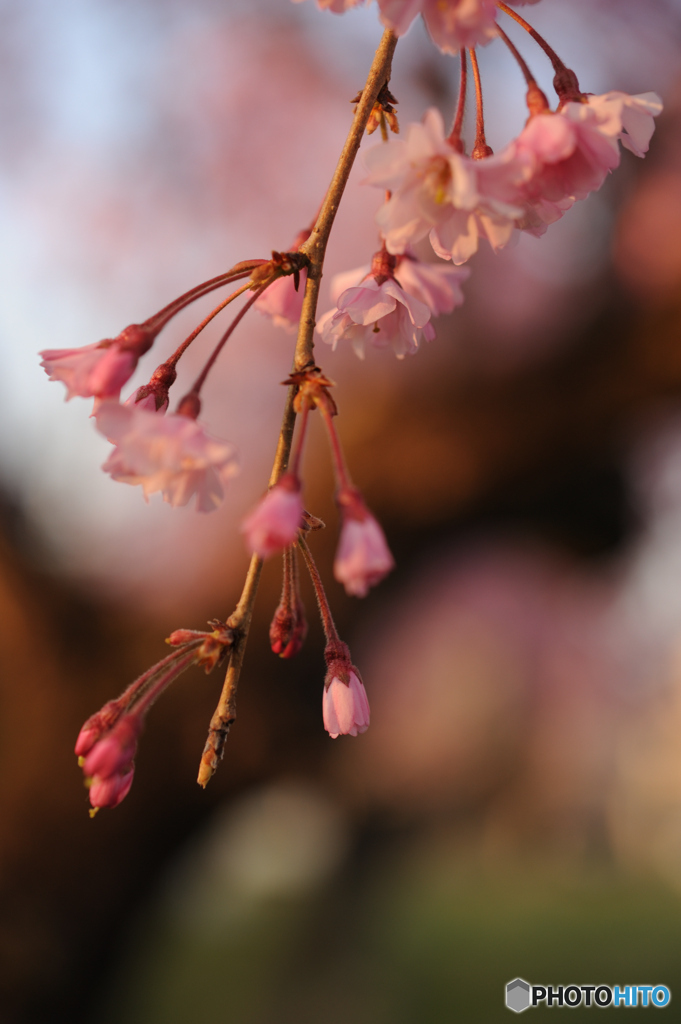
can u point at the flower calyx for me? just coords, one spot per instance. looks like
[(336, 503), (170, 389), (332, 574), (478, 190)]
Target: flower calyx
[(211, 648), (383, 112), (383, 266), (313, 389), (159, 385), (282, 264)]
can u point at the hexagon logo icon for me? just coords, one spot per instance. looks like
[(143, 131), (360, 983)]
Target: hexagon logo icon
[(517, 995)]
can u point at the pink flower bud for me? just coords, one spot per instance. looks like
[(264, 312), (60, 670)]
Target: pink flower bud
[(288, 630), (345, 707), (110, 792), (114, 753), (275, 521), (363, 557)]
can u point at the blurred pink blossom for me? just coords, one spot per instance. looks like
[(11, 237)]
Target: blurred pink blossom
[(274, 522), (282, 302), (363, 557), (168, 453)]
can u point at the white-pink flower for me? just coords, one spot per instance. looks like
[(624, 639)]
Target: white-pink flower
[(101, 370), (91, 371), (274, 522), (363, 557), (437, 285), (168, 453), (345, 707), (452, 24), (337, 6), (436, 190), (573, 150), (282, 302), (383, 314)]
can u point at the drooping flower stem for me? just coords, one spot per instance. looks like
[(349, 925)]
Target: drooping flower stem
[(200, 380), (240, 270), (172, 362), (558, 65), (315, 250), (480, 148), (342, 474), (294, 465), (536, 100), (457, 127), (330, 631)]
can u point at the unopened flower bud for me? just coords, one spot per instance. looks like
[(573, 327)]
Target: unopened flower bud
[(114, 753), (288, 629), (110, 792), (345, 706)]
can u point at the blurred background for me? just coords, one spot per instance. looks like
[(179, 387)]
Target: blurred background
[(515, 807)]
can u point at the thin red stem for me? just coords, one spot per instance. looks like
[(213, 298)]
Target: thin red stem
[(558, 64), (199, 382), (342, 475), (457, 127), (294, 464), (161, 318), (181, 661), (204, 323), (480, 149), (529, 77), (330, 631)]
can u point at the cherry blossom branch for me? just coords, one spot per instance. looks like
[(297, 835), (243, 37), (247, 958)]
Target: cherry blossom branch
[(315, 250), (315, 247)]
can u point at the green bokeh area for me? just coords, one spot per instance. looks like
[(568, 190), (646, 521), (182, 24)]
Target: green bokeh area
[(428, 943)]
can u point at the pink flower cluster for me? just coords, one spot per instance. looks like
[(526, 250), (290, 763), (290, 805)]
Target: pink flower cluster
[(107, 757), (452, 24), (557, 159)]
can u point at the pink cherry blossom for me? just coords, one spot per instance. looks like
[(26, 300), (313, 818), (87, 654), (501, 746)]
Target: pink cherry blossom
[(282, 302), (381, 313), (437, 285), (573, 150), (99, 371), (337, 6), (345, 707), (168, 453), (436, 190), (452, 24), (92, 371), (274, 522), (363, 557)]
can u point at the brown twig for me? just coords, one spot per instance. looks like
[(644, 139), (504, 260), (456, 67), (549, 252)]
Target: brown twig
[(315, 249)]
